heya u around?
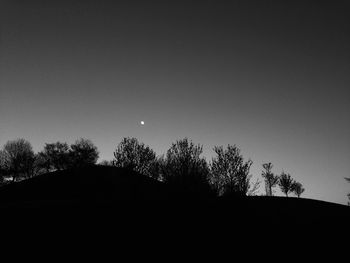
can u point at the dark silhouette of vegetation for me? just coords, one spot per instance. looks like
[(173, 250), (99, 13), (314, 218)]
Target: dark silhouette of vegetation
[(156, 167), (3, 169), (40, 164), (54, 156), (17, 159), (136, 156), (230, 174), (183, 167), (83, 153), (297, 189), (271, 180), (348, 179), (60, 156), (286, 183), (2, 163)]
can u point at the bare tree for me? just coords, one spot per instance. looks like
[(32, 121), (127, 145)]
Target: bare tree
[(134, 155), (55, 156), (184, 167), (253, 187), (229, 172), (40, 164), (297, 189), (271, 180), (3, 166), (18, 158), (286, 183), (83, 153), (156, 168), (348, 179)]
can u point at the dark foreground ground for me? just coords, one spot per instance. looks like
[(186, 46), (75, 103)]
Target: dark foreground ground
[(113, 208)]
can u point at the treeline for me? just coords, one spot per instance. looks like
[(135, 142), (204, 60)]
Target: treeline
[(18, 160), (182, 166)]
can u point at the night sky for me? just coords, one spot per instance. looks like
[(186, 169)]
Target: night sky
[(269, 76)]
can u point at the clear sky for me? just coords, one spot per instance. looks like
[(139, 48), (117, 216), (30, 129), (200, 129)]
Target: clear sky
[(269, 76)]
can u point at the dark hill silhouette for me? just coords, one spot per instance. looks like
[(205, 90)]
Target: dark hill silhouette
[(109, 186), (100, 200), (94, 184)]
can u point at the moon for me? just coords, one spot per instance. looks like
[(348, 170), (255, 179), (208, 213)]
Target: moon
[(142, 123)]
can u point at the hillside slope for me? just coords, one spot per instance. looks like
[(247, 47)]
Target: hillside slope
[(115, 200), (85, 185)]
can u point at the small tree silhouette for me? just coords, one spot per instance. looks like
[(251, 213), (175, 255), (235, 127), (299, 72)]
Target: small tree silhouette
[(297, 189), (184, 168), (156, 168), (54, 156), (229, 173), (17, 158), (271, 180), (286, 183), (83, 153), (348, 179), (132, 154), (3, 166)]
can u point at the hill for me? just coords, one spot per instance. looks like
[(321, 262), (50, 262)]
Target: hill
[(90, 185), (110, 200)]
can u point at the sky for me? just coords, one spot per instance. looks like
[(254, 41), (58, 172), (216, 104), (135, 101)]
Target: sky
[(271, 77)]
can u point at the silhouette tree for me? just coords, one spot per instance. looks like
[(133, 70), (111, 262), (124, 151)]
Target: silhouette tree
[(3, 167), (253, 188), (55, 156), (230, 174), (83, 153), (271, 180), (155, 170), (17, 158), (40, 165), (132, 154), (184, 168), (286, 183), (297, 189), (348, 179)]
